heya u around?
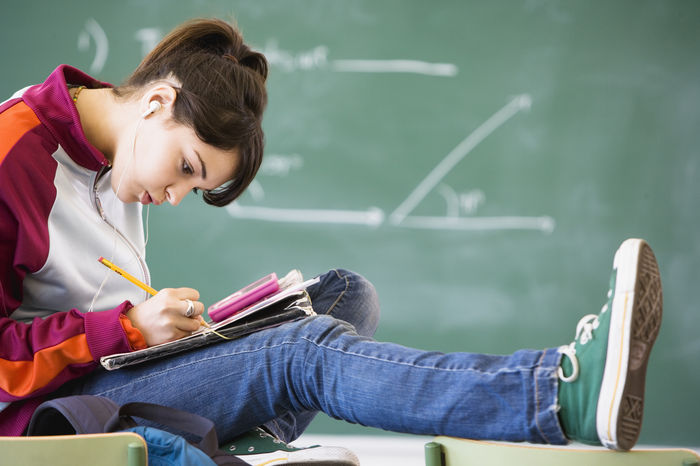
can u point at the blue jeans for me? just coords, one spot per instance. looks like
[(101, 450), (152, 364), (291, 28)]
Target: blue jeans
[(282, 376)]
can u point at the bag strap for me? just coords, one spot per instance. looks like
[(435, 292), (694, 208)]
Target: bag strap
[(90, 414), (78, 414), (169, 417)]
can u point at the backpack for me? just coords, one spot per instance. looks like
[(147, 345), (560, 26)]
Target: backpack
[(88, 414)]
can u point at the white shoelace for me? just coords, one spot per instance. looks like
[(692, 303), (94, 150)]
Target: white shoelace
[(584, 333)]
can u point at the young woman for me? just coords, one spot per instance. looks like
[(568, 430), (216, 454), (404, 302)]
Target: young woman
[(79, 159)]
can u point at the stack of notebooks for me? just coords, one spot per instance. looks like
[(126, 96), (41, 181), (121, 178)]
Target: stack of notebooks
[(289, 303)]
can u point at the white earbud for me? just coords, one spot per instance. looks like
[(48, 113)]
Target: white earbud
[(153, 107)]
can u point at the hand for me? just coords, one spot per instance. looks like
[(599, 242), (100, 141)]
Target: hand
[(162, 317)]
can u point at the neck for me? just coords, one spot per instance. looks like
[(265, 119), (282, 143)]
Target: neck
[(102, 119)]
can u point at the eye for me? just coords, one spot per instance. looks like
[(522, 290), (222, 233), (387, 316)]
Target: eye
[(186, 168)]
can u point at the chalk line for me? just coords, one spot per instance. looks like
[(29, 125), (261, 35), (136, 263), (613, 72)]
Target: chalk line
[(451, 199), (545, 224), (372, 217), (394, 66), (520, 102)]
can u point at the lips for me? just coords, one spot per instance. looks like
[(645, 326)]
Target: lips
[(145, 198)]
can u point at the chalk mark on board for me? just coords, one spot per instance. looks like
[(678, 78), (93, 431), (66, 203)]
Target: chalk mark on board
[(317, 58), (94, 30), (395, 66), (149, 38), (401, 217), (451, 199), (544, 223), (372, 217), (456, 155)]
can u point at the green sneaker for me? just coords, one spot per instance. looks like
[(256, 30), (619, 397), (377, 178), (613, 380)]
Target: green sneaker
[(258, 448), (601, 393)]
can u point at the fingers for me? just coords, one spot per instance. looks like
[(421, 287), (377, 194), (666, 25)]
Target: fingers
[(178, 299), (192, 308), (189, 319), (186, 293), (176, 303), (162, 318), (188, 325)]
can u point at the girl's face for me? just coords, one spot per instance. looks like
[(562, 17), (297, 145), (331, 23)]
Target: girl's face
[(167, 162)]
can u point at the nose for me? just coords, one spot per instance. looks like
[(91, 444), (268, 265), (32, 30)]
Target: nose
[(176, 193)]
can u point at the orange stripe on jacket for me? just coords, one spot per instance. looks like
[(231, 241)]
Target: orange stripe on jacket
[(14, 123), (22, 378)]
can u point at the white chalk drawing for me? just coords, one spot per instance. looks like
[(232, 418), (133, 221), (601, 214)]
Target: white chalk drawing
[(400, 216), (94, 31), (317, 58), (281, 164), (544, 224), (149, 38), (372, 217), (468, 202), (395, 66)]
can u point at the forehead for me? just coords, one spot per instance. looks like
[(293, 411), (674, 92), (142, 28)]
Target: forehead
[(221, 165)]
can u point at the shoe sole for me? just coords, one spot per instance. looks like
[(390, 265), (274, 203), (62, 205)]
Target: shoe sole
[(321, 456), (285, 462), (319, 463), (634, 325)]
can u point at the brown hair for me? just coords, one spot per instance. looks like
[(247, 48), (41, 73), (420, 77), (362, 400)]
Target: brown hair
[(222, 96)]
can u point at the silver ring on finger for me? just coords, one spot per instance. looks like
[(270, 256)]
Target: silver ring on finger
[(190, 308)]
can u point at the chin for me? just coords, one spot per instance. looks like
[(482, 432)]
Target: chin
[(126, 199)]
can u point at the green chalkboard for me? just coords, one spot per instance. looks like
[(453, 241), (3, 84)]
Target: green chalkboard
[(480, 162)]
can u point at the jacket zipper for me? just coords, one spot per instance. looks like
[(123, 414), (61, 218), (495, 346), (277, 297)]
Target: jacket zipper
[(98, 206)]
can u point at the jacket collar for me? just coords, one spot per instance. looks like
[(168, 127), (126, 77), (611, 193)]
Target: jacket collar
[(54, 106)]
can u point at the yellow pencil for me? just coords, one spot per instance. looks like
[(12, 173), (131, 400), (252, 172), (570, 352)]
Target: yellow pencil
[(136, 281), (128, 276)]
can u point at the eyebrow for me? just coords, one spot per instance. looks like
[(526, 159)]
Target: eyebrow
[(204, 167)]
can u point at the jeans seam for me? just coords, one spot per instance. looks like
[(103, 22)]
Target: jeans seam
[(375, 358), (537, 400), (277, 427), (291, 342), (341, 295), (198, 361)]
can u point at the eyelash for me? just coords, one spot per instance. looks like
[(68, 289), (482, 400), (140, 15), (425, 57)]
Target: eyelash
[(186, 169)]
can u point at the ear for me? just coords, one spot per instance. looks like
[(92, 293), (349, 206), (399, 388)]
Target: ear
[(158, 98)]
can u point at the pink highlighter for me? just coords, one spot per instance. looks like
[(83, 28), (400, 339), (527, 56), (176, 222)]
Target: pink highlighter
[(244, 297)]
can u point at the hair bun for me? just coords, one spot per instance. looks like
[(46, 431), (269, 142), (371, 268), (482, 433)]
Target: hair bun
[(228, 56), (257, 62)]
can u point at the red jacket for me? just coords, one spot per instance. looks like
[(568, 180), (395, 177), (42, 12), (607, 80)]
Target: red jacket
[(52, 230)]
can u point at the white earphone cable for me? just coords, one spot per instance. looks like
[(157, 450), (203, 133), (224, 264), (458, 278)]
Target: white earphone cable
[(148, 211), (114, 228)]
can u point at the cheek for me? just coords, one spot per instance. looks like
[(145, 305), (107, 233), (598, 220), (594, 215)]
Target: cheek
[(157, 169), (151, 151), (150, 173)]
